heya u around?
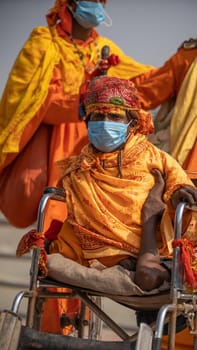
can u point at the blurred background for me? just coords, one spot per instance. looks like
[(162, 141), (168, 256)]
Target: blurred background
[(148, 30)]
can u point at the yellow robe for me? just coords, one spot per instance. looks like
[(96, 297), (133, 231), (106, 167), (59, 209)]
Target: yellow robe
[(183, 126), (42, 92), (28, 83)]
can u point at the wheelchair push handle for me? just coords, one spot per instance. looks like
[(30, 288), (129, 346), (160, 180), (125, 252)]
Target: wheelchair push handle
[(50, 193)]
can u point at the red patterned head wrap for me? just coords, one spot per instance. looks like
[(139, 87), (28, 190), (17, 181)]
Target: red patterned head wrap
[(114, 95)]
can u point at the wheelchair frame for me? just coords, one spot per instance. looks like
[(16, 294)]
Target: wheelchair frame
[(180, 301)]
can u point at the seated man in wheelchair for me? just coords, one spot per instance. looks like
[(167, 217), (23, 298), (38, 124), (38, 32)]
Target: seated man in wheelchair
[(108, 183), (121, 195)]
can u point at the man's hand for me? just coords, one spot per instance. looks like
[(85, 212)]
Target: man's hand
[(154, 205), (184, 194)]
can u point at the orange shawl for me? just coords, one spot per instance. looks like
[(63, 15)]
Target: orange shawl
[(104, 211)]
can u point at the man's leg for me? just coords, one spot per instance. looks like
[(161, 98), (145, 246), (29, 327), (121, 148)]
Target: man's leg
[(149, 272)]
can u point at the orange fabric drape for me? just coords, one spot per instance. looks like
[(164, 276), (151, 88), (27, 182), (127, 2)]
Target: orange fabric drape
[(162, 84), (96, 195), (184, 341)]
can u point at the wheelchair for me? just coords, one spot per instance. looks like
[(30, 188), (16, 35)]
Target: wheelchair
[(87, 326)]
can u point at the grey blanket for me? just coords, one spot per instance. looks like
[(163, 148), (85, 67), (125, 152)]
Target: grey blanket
[(115, 281)]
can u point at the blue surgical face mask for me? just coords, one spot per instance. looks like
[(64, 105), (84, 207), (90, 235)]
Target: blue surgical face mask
[(107, 136), (89, 14)]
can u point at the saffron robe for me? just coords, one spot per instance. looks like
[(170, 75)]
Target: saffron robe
[(104, 211)]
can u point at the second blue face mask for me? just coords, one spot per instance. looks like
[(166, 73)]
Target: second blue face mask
[(107, 136), (89, 14)]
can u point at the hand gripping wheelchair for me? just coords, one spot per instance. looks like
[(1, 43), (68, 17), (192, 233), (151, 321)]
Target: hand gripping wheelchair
[(172, 301)]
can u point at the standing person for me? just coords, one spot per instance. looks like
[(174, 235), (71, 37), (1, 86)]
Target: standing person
[(39, 121), (176, 79)]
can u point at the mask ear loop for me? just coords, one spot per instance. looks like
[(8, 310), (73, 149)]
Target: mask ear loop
[(133, 126), (71, 8), (108, 20)]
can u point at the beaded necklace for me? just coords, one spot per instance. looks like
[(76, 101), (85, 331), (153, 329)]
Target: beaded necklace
[(87, 67)]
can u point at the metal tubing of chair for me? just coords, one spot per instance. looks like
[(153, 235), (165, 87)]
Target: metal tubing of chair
[(49, 193), (178, 220), (161, 319), (156, 343), (57, 191), (179, 217), (52, 193), (172, 330), (177, 278), (81, 320), (33, 286), (34, 269), (17, 301), (41, 208), (31, 310), (177, 272), (103, 316)]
